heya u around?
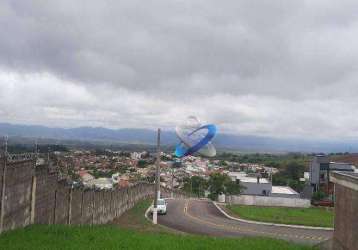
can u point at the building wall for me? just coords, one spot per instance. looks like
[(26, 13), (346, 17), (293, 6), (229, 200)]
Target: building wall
[(345, 235), (252, 188), (285, 195), (253, 200), (315, 168), (314, 171), (340, 166)]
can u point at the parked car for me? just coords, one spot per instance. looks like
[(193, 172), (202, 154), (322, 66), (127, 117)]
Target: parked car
[(161, 207), (324, 203)]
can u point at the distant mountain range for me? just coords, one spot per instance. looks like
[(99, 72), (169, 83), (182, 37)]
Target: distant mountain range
[(146, 136)]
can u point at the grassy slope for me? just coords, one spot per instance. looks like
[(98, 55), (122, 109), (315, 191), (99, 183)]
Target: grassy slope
[(319, 217), (134, 219), (111, 237), (131, 231)]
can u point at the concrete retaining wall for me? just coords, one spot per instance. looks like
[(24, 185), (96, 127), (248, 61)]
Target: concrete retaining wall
[(345, 236), (267, 201), (46, 183), (32, 195), (16, 195)]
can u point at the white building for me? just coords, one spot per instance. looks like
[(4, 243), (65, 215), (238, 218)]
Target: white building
[(261, 186), (101, 183), (283, 191), (253, 185), (135, 156)]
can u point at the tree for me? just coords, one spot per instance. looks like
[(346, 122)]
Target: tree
[(319, 195), (233, 188), (296, 185), (294, 170), (123, 169), (222, 163), (142, 163), (290, 176), (222, 184), (195, 185), (279, 179)]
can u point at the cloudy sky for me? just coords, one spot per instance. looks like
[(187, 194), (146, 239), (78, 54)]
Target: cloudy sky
[(272, 68)]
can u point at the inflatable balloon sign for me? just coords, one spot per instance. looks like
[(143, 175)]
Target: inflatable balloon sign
[(195, 138)]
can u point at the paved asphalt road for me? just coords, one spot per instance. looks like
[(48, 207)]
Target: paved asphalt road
[(202, 217)]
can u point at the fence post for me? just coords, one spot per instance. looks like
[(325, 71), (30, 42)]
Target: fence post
[(33, 199), (82, 197), (54, 208), (111, 206), (69, 208)]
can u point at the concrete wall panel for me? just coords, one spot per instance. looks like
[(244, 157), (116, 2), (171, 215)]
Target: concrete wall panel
[(267, 201), (76, 206)]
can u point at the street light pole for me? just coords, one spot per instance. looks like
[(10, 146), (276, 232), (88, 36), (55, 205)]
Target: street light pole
[(191, 186), (157, 181)]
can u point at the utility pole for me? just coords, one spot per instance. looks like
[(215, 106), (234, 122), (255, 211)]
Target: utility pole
[(157, 181), (36, 148), (172, 193), (191, 186), (48, 155), (6, 142)]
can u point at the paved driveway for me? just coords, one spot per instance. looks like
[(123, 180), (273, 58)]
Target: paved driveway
[(202, 217)]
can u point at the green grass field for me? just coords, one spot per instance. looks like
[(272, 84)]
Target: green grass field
[(319, 217), (134, 218), (130, 231), (112, 237)]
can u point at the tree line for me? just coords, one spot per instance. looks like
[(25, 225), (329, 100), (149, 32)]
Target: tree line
[(215, 185)]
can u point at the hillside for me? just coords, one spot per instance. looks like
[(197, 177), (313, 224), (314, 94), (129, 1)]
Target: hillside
[(245, 143)]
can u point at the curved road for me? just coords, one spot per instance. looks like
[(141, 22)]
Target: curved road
[(202, 217)]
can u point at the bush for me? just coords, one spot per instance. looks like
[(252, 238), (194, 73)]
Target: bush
[(319, 195)]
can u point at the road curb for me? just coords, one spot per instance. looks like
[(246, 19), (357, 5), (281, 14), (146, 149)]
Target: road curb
[(270, 224), (146, 213)]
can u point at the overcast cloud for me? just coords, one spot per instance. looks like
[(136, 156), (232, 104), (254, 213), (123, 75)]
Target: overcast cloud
[(273, 68)]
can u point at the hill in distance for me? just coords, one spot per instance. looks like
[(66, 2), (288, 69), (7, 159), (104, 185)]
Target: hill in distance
[(244, 143)]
